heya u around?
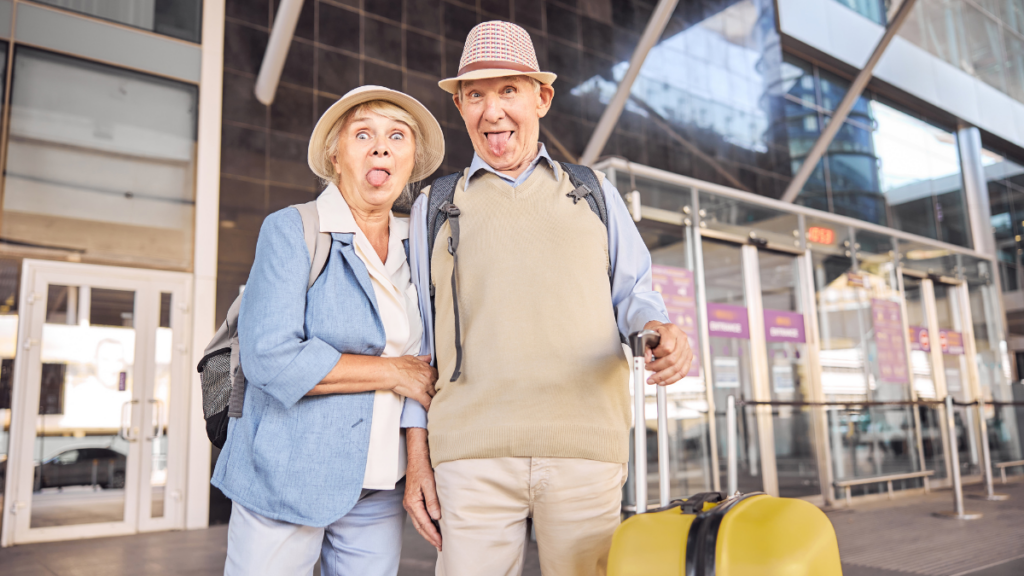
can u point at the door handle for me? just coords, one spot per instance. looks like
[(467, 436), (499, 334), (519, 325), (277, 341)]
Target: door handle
[(160, 424), (126, 432)]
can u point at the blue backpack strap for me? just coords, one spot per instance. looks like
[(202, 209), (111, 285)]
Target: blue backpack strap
[(440, 210), (588, 187), (441, 192)]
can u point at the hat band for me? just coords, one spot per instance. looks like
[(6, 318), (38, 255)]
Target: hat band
[(491, 64)]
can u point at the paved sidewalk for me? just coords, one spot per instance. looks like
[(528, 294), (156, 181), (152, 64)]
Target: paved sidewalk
[(891, 538)]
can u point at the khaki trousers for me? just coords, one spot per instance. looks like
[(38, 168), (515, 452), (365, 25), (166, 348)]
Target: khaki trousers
[(575, 505)]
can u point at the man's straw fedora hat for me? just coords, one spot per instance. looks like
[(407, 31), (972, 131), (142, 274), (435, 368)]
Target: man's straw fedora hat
[(495, 49), (430, 131)]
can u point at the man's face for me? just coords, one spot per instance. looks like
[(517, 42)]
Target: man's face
[(502, 117)]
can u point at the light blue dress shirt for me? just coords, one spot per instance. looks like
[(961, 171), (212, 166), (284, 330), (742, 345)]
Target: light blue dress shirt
[(635, 301)]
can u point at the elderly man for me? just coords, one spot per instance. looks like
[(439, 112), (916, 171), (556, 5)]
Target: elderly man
[(535, 277)]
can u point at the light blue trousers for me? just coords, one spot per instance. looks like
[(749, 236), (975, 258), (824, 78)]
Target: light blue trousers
[(365, 542)]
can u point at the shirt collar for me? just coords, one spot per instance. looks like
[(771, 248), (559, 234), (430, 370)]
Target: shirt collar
[(542, 154), (336, 216)]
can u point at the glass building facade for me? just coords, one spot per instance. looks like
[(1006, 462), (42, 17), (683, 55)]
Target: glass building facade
[(885, 166), (716, 99), (984, 38), (99, 145)]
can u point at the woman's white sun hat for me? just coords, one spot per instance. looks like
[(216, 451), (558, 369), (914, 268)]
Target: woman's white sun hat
[(430, 131), (495, 49)]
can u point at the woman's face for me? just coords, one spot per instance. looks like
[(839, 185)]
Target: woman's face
[(374, 161)]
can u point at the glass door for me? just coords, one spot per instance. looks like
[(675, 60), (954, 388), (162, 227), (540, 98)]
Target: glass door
[(98, 402), (789, 375), (949, 314), (929, 384), (732, 366), (864, 357), (689, 435)]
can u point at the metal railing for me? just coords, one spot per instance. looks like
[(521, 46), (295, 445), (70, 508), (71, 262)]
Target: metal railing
[(888, 479), (1004, 465), (958, 512)]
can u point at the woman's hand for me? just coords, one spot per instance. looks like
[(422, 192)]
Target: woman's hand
[(413, 377)]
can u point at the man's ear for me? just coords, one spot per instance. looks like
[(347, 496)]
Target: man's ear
[(458, 103), (547, 93)]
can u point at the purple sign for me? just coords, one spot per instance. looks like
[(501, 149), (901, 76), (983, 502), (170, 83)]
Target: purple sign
[(728, 321), (919, 339), (952, 342), (892, 356), (677, 290), (782, 326)]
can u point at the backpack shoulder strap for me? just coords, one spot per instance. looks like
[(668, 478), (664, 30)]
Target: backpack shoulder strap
[(441, 192), (584, 176), (318, 243)]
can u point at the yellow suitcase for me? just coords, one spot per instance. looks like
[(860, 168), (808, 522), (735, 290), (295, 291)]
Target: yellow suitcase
[(713, 535)]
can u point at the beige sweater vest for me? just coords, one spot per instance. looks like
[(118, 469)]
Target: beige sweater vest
[(543, 373)]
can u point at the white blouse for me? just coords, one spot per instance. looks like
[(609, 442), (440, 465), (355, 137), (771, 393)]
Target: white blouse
[(398, 306)]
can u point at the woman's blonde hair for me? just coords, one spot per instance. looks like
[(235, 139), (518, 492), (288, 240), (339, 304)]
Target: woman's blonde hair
[(384, 108)]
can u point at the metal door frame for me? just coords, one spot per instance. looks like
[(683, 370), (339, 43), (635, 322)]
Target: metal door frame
[(148, 285), (760, 380)]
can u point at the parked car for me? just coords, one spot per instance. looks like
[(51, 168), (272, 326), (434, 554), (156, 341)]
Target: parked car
[(82, 467)]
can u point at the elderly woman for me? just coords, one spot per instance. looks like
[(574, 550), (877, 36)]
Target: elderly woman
[(315, 466)]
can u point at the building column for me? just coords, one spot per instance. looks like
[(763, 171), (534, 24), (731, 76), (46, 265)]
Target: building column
[(204, 298), (976, 190)]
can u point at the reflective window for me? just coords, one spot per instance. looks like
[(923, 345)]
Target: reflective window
[(789, 380), (993, 362), (984, 38), (702, 104), (923, 376), (884, 166), (863, 357), (731, 367), (1006, 200), (180, 19), (873, 10), (109, 173), (83, 429)]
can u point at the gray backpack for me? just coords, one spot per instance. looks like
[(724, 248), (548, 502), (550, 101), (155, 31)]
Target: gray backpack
[(220, 371)]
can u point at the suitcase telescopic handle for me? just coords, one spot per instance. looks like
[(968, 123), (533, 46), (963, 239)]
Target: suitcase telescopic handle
[(639, 342)]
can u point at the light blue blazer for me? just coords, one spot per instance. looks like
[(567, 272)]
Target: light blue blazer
[(290, 457)]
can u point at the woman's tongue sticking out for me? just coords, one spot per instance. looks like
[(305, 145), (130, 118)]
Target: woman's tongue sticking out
[(377, 177)]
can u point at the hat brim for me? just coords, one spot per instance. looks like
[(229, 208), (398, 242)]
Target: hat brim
[(430, 131), (450, 85)]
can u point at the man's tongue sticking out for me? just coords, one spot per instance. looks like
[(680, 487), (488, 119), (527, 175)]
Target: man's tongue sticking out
[(498, 141), (377, 177)]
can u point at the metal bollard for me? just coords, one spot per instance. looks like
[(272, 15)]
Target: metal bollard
[(986, 461), (730, 441), (954, 455)]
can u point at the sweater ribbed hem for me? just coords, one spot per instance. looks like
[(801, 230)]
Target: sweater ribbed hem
[(532, 441)]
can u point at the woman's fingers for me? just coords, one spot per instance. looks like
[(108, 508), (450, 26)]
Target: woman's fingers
[(423, 398)]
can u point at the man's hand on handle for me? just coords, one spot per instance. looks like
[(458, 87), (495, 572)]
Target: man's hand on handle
[(671, 358), (420, 493)]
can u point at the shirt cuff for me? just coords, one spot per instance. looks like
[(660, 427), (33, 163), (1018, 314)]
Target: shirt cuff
[(309, 367), (413, 415)]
